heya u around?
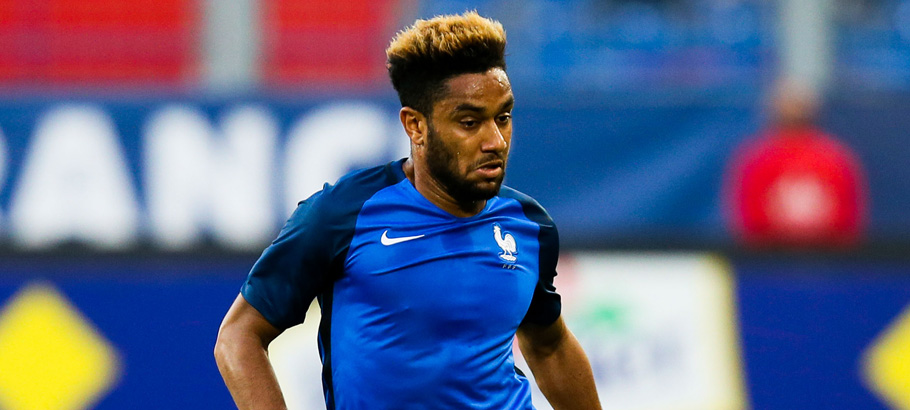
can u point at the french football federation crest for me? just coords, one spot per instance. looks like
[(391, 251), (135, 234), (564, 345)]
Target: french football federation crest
[(505, 241)]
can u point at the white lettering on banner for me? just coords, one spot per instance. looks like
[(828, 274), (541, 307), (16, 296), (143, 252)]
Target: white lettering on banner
[(75, 184), (176, 167), (330, 141), (244, 213), (197, 179), (224, 180)]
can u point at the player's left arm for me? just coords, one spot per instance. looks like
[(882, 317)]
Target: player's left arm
[(559, 365)]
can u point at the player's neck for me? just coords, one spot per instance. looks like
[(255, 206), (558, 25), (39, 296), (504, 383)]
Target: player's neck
[(434, 192)]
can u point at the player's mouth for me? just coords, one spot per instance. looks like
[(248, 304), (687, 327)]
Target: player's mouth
[(492, 169)]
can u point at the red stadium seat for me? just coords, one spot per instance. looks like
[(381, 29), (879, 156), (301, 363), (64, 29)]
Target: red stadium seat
[(99, 42), (309, 43)]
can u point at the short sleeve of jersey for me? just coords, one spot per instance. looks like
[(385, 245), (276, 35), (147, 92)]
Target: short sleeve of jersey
[(308, 255), (546, 305), (293, 269)]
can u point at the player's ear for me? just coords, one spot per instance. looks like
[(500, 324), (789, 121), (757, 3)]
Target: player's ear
[(414, 123)]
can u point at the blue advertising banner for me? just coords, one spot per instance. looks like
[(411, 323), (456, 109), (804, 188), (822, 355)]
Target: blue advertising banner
[(809, 329), (178, 172), (155, 319), (114, 173), (137, 332)]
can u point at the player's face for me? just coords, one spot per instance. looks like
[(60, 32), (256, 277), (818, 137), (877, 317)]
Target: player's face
[(470, 133)]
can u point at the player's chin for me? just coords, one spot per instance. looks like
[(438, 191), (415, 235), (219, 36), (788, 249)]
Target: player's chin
[(487, 189)]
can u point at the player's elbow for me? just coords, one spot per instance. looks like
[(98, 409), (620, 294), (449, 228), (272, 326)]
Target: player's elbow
[(224, 344), (221, 349)]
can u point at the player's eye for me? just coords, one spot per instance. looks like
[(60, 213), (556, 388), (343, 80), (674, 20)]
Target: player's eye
[(469, 123), (504, 118)]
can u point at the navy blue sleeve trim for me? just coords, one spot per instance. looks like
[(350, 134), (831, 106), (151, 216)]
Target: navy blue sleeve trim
[(546, 304), (288, 274), (308, 255)]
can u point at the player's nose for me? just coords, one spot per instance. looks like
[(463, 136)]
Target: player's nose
[(494, 138)]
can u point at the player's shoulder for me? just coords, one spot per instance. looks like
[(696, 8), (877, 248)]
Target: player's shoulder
[(346, 196), (506, 191), (359, 185), (532, 209)]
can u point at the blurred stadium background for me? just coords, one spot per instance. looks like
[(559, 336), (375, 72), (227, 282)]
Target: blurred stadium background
[(150, 149)]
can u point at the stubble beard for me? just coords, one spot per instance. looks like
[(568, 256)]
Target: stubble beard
[(443, 166)]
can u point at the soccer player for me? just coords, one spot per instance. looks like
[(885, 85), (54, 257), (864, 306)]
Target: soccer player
[(425, 268)]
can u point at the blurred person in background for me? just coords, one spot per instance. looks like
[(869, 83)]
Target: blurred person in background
[(425, 268), (794, 185)]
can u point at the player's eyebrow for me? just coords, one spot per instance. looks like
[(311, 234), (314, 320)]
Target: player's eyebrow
[(478, 109), (468, 107), (508, 104)]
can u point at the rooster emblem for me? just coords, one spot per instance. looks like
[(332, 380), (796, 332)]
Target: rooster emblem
[(506, 242)]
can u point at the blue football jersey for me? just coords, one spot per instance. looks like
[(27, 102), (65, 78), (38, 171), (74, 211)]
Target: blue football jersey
[(419, 307)]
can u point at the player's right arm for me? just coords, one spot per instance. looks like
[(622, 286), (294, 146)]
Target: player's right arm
[(275, 296), (241, 352)]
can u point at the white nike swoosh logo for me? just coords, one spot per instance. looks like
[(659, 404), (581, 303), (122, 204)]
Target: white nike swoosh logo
[(391, 241)]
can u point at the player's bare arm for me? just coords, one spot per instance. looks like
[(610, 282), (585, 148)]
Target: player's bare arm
[(242, 356), (560, 366)]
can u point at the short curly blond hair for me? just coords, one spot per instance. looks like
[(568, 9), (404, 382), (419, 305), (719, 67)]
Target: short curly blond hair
[(424, 55)]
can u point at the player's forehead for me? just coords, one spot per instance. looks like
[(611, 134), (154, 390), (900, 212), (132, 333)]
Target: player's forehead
[(490, 90)]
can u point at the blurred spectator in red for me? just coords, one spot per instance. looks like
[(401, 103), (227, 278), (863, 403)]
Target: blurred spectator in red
[(793, 185)]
